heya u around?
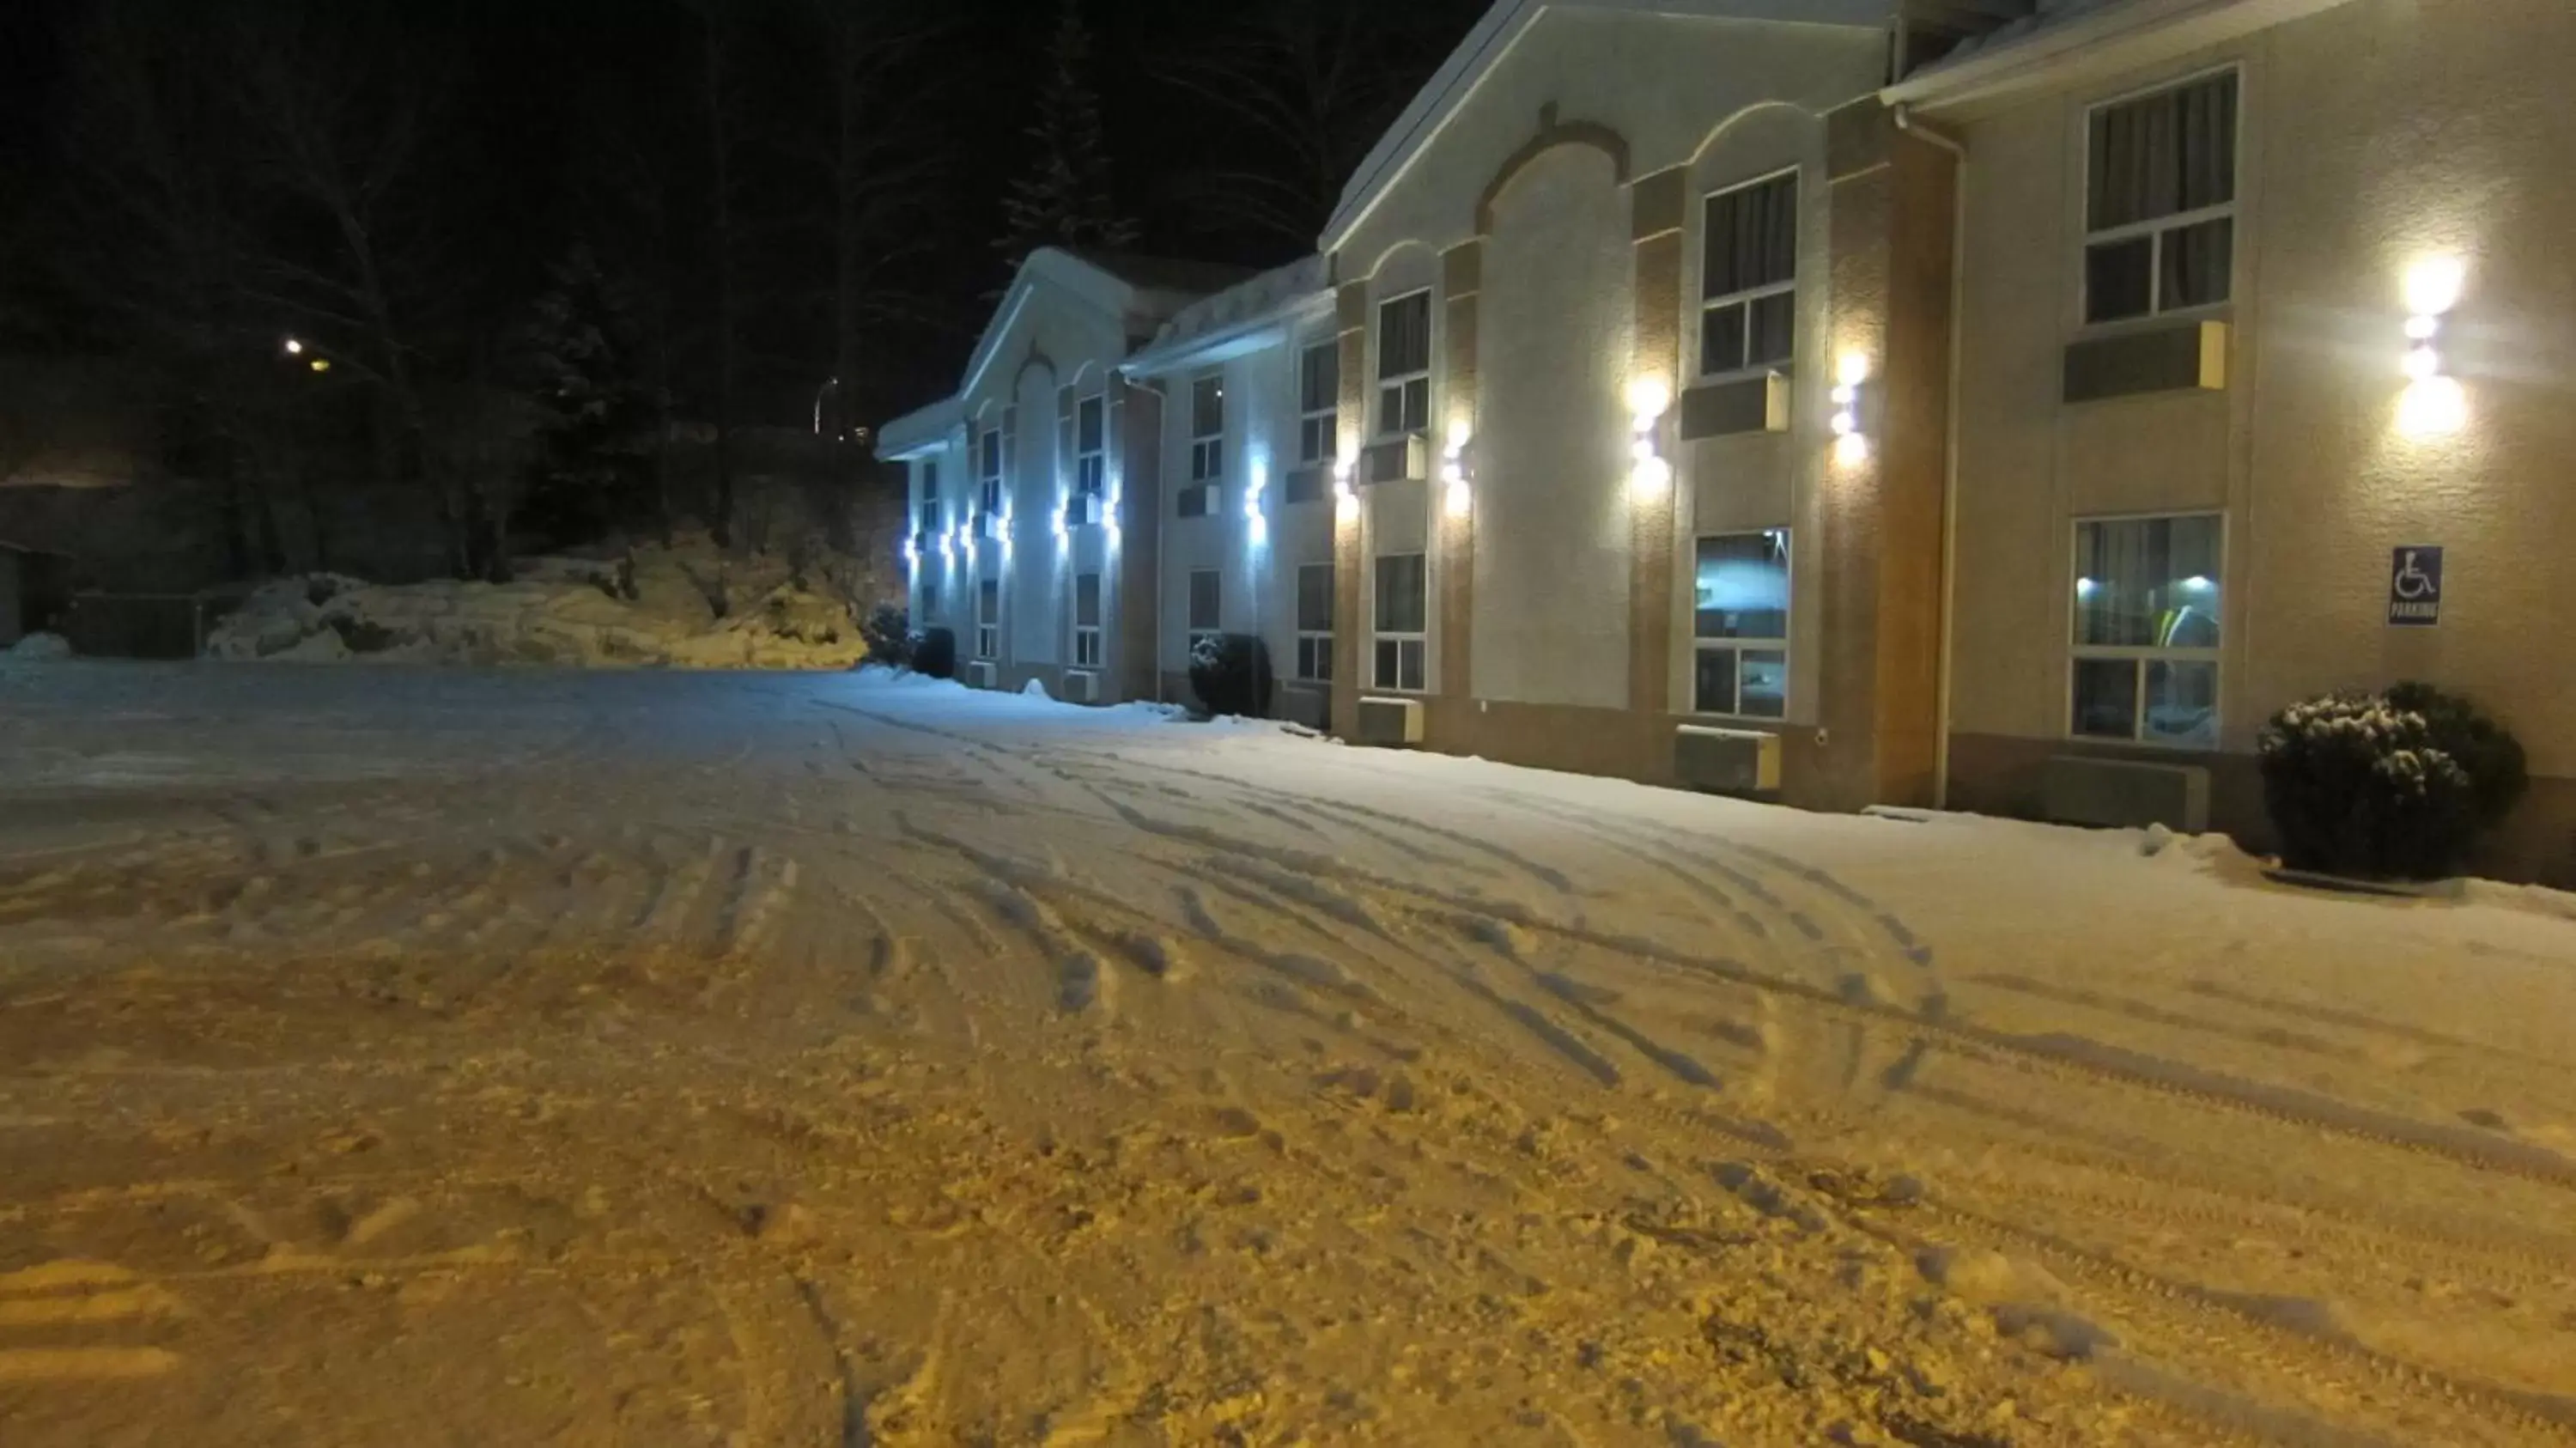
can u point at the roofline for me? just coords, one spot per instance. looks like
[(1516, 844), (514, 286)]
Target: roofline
[(2106, 36), (1271, 325), (1493, 37), (924, 429)]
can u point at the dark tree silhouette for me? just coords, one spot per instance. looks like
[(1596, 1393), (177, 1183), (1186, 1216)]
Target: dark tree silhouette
[(1065, 198)]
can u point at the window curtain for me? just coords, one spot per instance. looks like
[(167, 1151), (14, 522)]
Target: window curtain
[(1404, 340), (2162, 155), (1752, 238)]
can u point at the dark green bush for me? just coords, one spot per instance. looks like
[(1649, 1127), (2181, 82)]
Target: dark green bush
[(888, 634), (1230, 673), (934, 653), (2387, 786)]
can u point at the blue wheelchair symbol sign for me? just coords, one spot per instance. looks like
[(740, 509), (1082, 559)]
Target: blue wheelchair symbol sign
[(2415, 587)]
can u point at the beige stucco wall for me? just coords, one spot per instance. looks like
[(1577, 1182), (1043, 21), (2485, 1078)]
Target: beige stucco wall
[(1555, 329), (2373, 134), (1661, 81)]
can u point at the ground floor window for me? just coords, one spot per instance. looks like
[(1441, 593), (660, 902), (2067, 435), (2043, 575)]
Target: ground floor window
[(929, 601), (1740, 625), (1206, 598), (2147, 618), (1403, 621), (1086, 620), (988, 619), (1315, 622)]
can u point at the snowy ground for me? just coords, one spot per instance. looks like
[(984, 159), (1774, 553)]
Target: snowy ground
[(437, 1057)]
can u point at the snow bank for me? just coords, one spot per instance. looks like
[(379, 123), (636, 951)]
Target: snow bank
[(38, 648), (655, 609)]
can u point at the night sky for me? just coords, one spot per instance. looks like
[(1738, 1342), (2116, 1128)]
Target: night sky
[(525, 70)]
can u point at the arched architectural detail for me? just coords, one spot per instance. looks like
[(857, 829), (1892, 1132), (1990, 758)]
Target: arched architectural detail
[(1553, 131)]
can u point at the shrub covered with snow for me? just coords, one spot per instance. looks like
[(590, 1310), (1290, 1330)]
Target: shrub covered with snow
[(690, 605), (2388, 786), (38, 648), (889, 636), (1230, 673)]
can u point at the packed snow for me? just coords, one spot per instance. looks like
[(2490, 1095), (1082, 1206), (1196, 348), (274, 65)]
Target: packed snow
[(658, 606), (508, 1056)]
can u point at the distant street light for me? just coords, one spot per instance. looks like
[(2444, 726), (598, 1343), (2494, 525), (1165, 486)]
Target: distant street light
[(294, 347)]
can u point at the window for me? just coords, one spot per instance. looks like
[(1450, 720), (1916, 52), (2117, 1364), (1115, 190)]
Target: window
[(990, 504), (1748, 278), (988, 619), (2147, 629), (1207, 430), (1091, 447), (2160, 202), (1403, 614), (1086, 620), (1404, 365), (929, 520), (1205, 596), (929, 601), (1741, 625), (1315, 622), (1319, 399)]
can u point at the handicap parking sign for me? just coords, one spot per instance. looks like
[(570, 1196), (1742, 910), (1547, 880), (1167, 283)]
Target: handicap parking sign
[(2415, 587)]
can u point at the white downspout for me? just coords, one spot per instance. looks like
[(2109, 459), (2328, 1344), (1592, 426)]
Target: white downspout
[(1906, 123), (1162, 456)]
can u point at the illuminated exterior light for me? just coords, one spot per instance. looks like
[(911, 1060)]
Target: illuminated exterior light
[(2084, 587), (1851, 373), (1651, 476), (294, 347), (2434, 404), (321, 364)]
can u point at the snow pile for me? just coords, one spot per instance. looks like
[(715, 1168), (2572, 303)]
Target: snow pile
[(38, 648), (656, 608)]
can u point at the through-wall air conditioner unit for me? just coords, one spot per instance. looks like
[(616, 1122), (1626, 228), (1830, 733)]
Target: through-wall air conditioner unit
[(1389, 723), (923, 542), (989, 526), (1087, 510), (1081, 688), (1727, 761), (1398, 460), (982, 674)]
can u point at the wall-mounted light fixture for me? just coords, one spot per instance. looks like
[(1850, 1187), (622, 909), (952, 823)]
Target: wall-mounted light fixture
[(1460, 497), (2434, 403), (1651, 474), (1851, 378), (1109, 507), (1256, 523), (1346, 501)]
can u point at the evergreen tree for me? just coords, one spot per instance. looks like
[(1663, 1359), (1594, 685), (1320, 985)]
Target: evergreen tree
[(1065, 199), (578, 357)]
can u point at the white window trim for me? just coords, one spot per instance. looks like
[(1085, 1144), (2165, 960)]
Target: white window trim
[(1091, 634), (1322, 638), (2141, 656), (988, 632), (1380, 386), (2160, 227), (1421, 640), (1331, 410), (1746, 299), (1780, 646), (988, 485), (1191, 630), (1207, 450), (1087, 462)]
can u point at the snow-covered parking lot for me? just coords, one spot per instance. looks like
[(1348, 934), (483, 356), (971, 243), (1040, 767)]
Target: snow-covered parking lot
[(493, 1058)]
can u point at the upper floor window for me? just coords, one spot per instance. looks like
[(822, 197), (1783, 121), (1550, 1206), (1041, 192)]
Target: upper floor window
[(1207, 429), (928, 513), (990, 460), (1091, 446), (1319, 400), (1404, 365), (1748, 277), (2160, 201)]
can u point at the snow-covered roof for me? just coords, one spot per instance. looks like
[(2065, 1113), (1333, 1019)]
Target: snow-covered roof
[(1495, 35), (1138, 290), (2066, 40), (1238, 318)]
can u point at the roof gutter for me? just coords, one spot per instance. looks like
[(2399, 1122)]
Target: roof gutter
[(2097, 38)]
